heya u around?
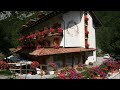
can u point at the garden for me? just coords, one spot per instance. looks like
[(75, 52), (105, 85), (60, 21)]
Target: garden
[(80, 71), (105, 70)]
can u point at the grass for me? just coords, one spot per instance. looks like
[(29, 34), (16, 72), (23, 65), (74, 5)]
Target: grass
[(5, 72)]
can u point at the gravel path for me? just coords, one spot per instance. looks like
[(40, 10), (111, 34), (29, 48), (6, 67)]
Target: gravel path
[(3, 77)]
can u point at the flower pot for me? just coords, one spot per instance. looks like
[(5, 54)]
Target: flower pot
[(86, 18)]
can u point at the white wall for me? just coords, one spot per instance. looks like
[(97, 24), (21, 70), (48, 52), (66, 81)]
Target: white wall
[(76, 38), (91, 39)]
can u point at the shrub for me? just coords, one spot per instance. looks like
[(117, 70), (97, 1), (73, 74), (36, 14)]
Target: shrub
[(34, 65), (5, 72), (51, 64), (70, 74), (4, 65)]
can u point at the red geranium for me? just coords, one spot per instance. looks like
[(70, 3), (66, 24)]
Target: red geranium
[(52, 30), (60, 30), (46, 31), (86, 18), (34, 64), (51, 64)]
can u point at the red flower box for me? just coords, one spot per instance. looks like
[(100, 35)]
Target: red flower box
[(60, 30), (86, 18), (52, 30), (86, 32)]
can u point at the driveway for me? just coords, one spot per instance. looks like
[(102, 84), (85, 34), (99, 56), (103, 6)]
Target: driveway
[(99, 61)]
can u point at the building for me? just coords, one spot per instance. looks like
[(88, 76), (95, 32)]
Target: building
[(64, 37)]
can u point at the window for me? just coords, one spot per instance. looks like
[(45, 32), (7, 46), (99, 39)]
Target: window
[(69, 61), (75, 60), (58, 61), (56, 41)]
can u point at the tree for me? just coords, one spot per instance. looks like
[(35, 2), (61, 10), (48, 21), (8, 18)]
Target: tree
[(108, 35), (4, 41), (9, 27)]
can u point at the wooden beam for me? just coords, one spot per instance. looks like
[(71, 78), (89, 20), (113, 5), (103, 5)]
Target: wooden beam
[(79, 58), (64, 60), (72, 59)]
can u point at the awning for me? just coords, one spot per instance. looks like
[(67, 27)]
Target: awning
[(52, 51)]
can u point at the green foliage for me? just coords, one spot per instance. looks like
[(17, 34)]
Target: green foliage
[(85, 74), (5, 72), (107, 36), (9, 28)]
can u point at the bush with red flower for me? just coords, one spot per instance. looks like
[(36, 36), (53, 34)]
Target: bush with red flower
[(86, 32), (104, 68), (56, 46), (34, 65), (60, 30), (86, 18), (53, 65), (69, 74), (52, 30), (46, 31), (112, 64), (4, 65)]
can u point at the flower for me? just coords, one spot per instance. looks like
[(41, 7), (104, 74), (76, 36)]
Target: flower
[(51, 64), (86, 32), (28, 37), (56, 47), (38, 46), (42, 33), (4, 65), (39, 34), (46, 31), (20, 39), (34, 64), (86, 18), (52, 30), (60, 30)]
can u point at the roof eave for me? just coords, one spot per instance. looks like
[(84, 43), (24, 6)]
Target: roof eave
[(97, 21), (50, 15)]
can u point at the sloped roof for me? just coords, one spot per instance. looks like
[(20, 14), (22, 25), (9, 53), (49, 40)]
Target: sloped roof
[(50, 14), (52, 51)]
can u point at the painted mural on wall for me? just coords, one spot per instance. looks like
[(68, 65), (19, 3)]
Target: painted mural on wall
[(73, 29)]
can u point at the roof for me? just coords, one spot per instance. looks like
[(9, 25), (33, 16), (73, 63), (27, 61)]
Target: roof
[(95, 18), (52, 51), (42, 19), (54, 13)]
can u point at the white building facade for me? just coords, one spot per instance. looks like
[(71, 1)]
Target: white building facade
[(74, 32), (77, 44)]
